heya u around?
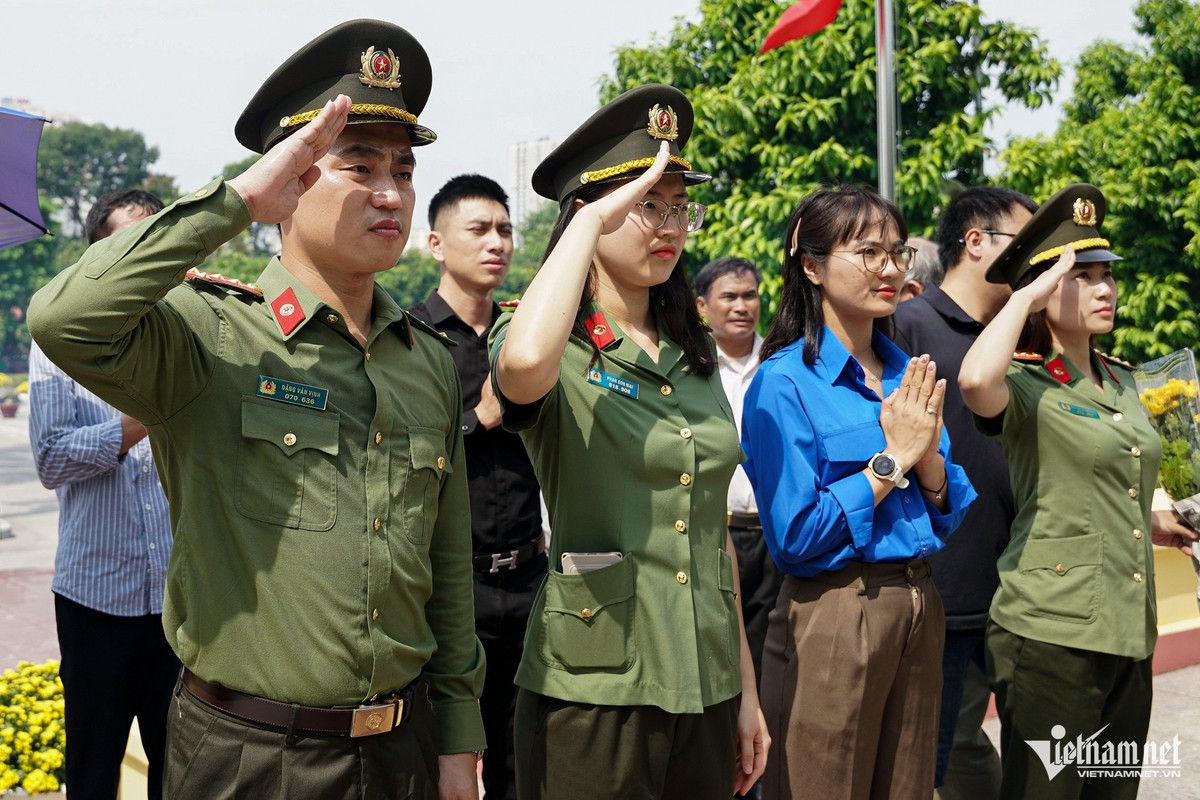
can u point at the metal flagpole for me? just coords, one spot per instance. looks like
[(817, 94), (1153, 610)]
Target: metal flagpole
[(885, 95)]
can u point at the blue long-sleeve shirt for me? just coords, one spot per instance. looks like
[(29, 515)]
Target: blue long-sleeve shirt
[(114, 532), (808, 433)]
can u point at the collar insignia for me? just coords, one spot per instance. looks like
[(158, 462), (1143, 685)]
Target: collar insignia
[(598, 328), (287, 310), (663, 124), (379, 70), (1059, 370), (1084, 212)]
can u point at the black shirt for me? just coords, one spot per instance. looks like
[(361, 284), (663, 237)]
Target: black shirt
[(505, 508), (965, 571)]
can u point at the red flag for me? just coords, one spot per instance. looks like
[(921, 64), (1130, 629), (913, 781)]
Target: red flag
[(803, 19)]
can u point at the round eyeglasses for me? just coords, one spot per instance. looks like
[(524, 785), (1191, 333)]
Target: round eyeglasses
[(874, 258), (690, 216)]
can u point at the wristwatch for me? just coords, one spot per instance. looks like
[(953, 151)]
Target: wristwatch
[(886, 469)]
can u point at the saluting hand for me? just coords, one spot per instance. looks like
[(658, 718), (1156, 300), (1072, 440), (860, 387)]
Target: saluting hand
[(1040, 289), (272, 187), (911, 416), (613, 207)]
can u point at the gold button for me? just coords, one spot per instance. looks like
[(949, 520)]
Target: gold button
[(441, 462), (1060, 569), (331, 318), (377, 524), (1133, 493), (680, 525), (1117, 417), (1137, 452), (686, 433), (289, 439), (586, 613), (1137, 577), (681, 578), (201, 192), (368, 356), (665, 389), (685, 479), (375, 614), (378, 437), (1137, 533)]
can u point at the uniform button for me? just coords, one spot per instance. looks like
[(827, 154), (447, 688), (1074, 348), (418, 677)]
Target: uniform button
[(375, 613), (680, 526), (1117, 417), (1137, 577), (1133, 492), (1136, 451), (1137, 533), (441, 462), (1060, 569), (685, 479), (368, 356), (377, 524), (289, 439), (681, 578), (586, 613), (331, 318), (665, 389), (378, 437), (686, 433)]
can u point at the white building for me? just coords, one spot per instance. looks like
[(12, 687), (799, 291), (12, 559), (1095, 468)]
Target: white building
[(522, 161)]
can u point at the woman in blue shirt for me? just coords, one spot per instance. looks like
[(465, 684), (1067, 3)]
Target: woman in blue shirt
[(851, 469)]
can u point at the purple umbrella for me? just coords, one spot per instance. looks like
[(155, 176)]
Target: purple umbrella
[(20, 217)]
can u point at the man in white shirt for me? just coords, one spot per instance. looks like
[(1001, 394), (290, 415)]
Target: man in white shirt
[(727, 297)]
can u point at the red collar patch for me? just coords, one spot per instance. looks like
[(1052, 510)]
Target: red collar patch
[(1058, 369), (598, 327), (288, 312)]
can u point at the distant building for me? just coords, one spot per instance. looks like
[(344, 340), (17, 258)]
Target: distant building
[(523, 160), (418, 239)]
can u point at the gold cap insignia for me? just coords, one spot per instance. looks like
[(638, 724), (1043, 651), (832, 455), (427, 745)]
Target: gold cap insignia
[(663, 124), (379, 70), (1084, 212)]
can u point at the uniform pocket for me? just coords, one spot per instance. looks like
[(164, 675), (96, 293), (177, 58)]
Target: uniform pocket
[(849, 449), (428, 464), (729, 597), (588, 619), (1061, 578), (287, 465)]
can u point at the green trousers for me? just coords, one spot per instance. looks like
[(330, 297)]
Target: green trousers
[(1048, 697)]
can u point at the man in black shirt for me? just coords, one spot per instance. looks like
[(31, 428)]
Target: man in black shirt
[(944, 322), (471, 238)]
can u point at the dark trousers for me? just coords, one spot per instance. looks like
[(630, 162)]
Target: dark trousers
[(974, 769), (851, 682), (113, 669), (1043, 689), (214, 756), (760, 580), (503, 601), (963, 649), (575, 751)]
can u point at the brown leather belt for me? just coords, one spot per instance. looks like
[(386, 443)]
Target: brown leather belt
[(492, 562), (365, 720), (743, 521)]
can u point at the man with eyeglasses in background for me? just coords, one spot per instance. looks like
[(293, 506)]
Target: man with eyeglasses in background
[(944, 322)]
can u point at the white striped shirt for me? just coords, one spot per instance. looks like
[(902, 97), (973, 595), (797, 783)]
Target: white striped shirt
[(114, 532)]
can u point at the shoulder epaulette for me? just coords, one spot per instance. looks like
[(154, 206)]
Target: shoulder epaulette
[(425, 327), (1114, 360), (196, 275), (508, 304), (1031, 358)]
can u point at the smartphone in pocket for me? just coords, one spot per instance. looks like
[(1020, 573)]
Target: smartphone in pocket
[(580, 563)]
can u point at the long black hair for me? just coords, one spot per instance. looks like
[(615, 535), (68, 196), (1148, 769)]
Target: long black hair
[(825, 219), (674, 296)]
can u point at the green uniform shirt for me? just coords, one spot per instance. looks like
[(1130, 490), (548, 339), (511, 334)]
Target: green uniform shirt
[(1079, 569), (645, 476), (318, 494)]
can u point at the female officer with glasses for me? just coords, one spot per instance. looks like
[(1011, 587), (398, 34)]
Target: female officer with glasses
[(855, 487), (636, 679)]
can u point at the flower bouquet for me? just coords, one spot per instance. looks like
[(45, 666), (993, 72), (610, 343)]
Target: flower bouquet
[(32, 739), (1168, 389)]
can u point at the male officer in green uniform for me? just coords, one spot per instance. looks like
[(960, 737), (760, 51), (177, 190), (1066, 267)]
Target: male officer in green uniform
[(308, 436)]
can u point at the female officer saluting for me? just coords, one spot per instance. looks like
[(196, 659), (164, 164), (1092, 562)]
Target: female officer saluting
[(635, 654)]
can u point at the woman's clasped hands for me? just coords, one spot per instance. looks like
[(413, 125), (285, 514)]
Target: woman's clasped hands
[(911, 416)]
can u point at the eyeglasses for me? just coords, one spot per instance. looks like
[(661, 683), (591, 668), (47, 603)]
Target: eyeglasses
[(874, 258), (990, 233), (690, 216)]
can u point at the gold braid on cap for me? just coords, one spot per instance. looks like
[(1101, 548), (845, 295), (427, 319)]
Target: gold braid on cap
[(1055, 252), (363, 109), (637, 163)]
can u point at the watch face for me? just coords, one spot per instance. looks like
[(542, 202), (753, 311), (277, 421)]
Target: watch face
[(883, 465)]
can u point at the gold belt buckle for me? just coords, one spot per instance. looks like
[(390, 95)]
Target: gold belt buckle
[(373, 720)]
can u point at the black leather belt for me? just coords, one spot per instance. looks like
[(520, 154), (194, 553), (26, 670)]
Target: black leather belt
[(365, 720), (492, 562), (743, 521)]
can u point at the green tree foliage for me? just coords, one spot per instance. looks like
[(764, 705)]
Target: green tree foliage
[(23, 270), (1131, 129), (78, 162), (411, 281), (772, 128)]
